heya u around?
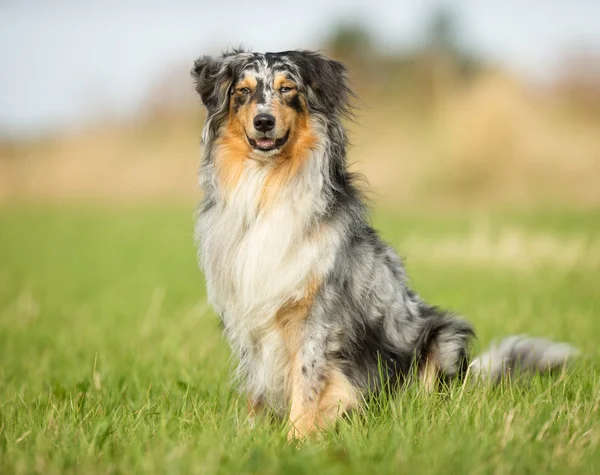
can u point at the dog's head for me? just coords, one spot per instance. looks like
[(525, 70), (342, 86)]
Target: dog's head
[(265, 101)]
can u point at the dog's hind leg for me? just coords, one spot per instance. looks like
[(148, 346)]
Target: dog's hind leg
[(337, 398), (443, 348), (429, 371)]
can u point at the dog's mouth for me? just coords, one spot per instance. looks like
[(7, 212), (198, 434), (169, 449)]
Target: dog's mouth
[(266, 144)]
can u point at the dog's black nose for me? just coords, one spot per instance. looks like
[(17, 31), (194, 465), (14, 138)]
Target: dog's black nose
[(264, 122)]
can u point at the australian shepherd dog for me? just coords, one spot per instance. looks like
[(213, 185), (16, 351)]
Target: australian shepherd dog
[(315, 305)]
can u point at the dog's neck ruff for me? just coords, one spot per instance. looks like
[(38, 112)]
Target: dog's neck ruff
[(254, 254)]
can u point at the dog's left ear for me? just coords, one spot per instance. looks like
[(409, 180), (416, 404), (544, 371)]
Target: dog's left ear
[(213, 78), (327, 79)]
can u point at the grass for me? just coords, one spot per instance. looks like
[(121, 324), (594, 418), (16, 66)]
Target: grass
[(111, 360)]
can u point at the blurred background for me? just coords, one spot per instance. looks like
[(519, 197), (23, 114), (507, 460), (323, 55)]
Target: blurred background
[(478, 128), (461, 103)]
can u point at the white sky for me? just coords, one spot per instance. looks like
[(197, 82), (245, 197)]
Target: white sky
[(65, 61)]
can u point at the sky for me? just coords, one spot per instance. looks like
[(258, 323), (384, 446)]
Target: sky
[(65, 62)]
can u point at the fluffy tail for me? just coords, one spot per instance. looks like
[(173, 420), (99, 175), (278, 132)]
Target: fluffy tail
[(519, 355)]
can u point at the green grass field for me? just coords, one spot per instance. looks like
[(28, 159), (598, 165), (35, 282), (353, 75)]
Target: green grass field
[(111, 360)]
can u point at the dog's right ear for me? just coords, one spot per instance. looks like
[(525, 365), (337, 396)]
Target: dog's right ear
[(213, 79)]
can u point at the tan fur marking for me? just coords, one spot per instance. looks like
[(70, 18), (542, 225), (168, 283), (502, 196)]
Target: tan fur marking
[(290, 322), (232, 150), (302, 141), (429, 371), (248, 81), (230, 159), (337, 397), (304, 417), (282, 80)]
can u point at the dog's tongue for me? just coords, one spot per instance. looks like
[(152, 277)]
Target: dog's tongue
[(265, 143)]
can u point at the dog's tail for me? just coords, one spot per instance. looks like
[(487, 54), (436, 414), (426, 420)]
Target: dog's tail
[(521, 355)]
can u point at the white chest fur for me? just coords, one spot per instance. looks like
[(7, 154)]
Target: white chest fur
[(255, 262)]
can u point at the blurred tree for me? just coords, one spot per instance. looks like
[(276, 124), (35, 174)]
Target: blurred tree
[(442, 32), (418, 78), (446, 61), (350, 42)]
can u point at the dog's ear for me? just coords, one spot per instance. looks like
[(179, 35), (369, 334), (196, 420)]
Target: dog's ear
[(327, 79), (213, 78)]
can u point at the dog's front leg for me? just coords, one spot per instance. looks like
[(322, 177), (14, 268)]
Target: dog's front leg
[(320, 393), (304, 407)]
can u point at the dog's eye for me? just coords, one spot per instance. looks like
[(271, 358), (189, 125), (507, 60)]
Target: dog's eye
[(285, 89), (244, 90)]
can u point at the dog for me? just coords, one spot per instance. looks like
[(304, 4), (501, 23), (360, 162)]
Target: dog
[(316, 306)]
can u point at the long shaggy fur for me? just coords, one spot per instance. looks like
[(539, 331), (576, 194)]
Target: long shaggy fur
[(316, 306), (520, 355)]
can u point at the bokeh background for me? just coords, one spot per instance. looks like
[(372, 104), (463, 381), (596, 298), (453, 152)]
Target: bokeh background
[(461, 103), (478, 128)]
